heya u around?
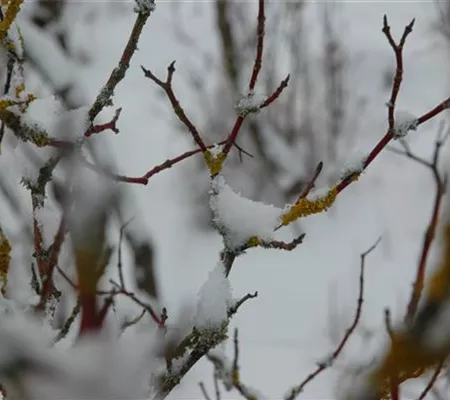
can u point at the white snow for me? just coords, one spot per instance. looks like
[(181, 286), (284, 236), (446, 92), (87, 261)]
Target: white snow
[(144, 6), (214, 299), (71, 124), (238, 218), (48, 218), (270, 331), (250, 103), (354, 163), (404, 122), (216, 150)]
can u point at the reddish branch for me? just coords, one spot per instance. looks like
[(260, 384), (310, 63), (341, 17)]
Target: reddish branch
[(259, 47), (111, 125), (178, 110), (430, 232), (283, 85), (398, 50), (310, 185), (253, 79), (296, 390), (395, 389), (432, 380)]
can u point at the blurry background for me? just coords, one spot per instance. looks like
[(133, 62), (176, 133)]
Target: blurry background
[(333, 111)]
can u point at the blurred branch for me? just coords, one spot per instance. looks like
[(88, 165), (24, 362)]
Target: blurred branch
[(440, 183), (104, 98), (322, 366)]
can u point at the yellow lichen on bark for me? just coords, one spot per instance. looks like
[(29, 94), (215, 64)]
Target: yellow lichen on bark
[(405, 359), (409, 355), (214, 162), (12, 9), (304, 207)]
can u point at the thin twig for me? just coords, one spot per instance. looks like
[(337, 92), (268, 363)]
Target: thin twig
[(296, 390), (177, 109), (432, 380)]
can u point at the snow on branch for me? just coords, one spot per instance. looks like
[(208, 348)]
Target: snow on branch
[(144, 6), (404, 122), (214, 300), (252, 103), (237, 218)]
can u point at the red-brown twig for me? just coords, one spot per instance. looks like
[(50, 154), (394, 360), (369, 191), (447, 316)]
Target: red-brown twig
[(111, 125), (296, 390), (178, 110), (283, 85), (395, 389), (444, 105), (432, 381), (259, 46), (159, 319), (254, 77), (398, 50), (386, 139), (289, 246), (143, 180), (430, 232), (310, 185)]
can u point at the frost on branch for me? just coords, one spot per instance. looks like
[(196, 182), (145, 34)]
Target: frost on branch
[(250, 104), (404, 122), (238, 219), (214, 300), (144, 6)]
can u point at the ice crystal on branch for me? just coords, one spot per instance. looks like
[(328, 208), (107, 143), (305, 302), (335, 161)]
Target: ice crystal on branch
[(144, 6), (251, 103), (237, 218), (404, 122)]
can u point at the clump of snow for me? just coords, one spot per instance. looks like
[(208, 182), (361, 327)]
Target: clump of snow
[(354, 163), (71, 124), (316, 194), (250, 104), (214, 300), (404, 122), (216, 150), (144, 6), (238, 218)]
